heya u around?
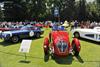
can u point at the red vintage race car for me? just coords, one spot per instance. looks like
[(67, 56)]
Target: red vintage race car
[(58, 44)]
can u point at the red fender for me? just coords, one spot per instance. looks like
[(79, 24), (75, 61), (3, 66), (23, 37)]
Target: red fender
[(77, 43), (46, 44)]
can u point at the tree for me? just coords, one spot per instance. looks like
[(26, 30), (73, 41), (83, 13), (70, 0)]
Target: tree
[(92, 11), (1, 14), (98, 7), (44, 9), (68, 9), (82, 10), (38, 9)]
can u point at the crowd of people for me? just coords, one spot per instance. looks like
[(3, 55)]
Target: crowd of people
[(74, 24), (89, 24), (85, 24), (9, 24)]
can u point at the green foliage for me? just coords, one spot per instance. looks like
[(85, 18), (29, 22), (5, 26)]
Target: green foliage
[(0, 12), (82, 10), (98, 7), (44, 9), (68, 9), (1, 15)]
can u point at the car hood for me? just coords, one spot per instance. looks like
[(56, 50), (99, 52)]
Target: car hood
[(59, 35)]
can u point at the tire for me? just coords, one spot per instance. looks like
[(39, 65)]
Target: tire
[(37, 35), (75, 52), (46, 52), (76, 35), (15, 39), (46, 46), (46, 55), (52, 56)]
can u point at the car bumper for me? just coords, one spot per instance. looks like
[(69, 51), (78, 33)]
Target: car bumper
[(4, 37)]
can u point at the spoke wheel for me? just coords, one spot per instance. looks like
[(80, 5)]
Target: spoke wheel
[(77, 35), (15, 39), (37, 35)]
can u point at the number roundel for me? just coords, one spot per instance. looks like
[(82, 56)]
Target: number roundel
[(31, 33)]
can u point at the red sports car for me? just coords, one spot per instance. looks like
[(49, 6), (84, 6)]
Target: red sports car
[(58, 43)]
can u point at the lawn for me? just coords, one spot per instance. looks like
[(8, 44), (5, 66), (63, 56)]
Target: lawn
[(10, 57)]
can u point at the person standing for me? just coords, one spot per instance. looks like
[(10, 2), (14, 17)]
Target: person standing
[(75, 24)]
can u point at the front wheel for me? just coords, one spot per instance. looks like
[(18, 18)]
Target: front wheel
[(37, 35), (52, 56), (46, 52), (15, 39), (76, 34), (76, 53)]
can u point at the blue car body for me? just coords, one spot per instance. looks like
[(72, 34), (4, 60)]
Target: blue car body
[(55, 28), (24, 32)]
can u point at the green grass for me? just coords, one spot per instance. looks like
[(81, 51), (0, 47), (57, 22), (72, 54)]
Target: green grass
[(10, 57)]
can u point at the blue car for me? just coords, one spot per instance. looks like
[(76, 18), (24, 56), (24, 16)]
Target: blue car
[(24, 32), (55, 28)]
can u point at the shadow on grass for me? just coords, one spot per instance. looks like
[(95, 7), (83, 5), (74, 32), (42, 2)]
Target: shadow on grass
[(24, 61), (79, 59), (64, 60), (8, 43), (34, 38), (91, 41), (46, 58), (19, 55), (60, 60)]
